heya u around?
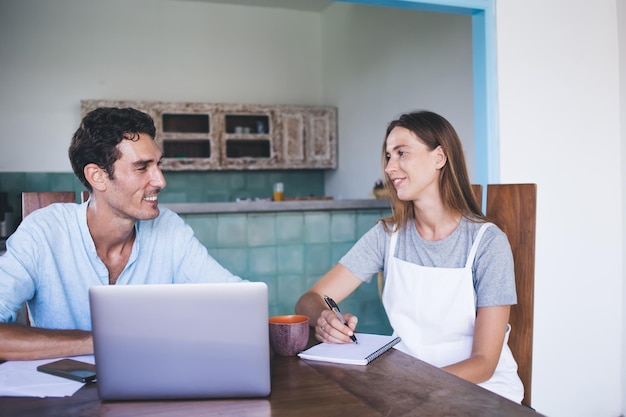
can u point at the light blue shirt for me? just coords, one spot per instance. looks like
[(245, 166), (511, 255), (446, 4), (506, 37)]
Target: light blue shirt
[(51, 261)]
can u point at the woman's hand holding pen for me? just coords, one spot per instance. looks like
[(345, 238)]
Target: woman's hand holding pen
[(324, 314), (330, 329)]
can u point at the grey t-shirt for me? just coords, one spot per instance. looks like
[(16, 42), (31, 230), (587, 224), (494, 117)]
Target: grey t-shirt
[(494, 279)]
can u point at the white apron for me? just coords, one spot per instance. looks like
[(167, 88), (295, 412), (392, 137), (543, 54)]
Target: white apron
[(433, 310)]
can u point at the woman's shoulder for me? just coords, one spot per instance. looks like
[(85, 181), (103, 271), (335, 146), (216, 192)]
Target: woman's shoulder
[(475, 224), (492, 231), (493, 239)]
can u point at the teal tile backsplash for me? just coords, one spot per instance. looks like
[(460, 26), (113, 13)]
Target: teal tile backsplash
[(290, 251), (261, 229), (342, 227), (290, 228), (316, 226), (232, 230), (290, 259)]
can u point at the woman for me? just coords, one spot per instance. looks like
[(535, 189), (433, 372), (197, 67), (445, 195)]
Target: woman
[(449, 280)]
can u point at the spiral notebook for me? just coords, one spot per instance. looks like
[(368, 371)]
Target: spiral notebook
[(368, 348)]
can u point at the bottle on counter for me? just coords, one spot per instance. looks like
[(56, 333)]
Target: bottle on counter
[(279, 191)]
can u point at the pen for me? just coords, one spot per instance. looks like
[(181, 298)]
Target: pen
[(335, 308)]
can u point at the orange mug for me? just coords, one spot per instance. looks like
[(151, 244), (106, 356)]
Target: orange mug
[(289, 334)]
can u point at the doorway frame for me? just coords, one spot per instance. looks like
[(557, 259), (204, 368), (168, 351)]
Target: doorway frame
[(486, 142)]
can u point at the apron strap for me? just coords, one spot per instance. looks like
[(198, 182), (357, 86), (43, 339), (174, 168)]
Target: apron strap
[(381, 275), (472, 254)]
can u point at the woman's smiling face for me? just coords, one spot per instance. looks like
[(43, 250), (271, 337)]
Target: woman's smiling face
[(412, 166)]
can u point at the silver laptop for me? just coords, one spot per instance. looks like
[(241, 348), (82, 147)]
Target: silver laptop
[(181, 340)]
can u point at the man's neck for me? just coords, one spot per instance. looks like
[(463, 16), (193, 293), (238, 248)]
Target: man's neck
[(113, 239)]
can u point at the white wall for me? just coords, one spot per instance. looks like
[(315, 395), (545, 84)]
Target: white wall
[(55, 53), (621, 26), (380, 62), (560, 127)]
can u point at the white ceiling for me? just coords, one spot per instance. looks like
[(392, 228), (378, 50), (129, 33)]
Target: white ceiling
[(302, 5)]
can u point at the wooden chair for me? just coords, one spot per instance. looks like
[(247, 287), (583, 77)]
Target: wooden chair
[(32, 201), (513, 207)]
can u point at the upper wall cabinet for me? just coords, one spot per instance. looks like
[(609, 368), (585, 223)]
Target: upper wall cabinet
[(208, 136), (309, 137)]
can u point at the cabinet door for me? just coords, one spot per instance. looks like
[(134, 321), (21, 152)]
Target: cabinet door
[(187, 135), (247, 139), (309, 137)]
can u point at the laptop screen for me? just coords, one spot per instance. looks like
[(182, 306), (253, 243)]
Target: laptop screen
[(181, 340)]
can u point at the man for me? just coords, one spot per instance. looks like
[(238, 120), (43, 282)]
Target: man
[(119, 237)]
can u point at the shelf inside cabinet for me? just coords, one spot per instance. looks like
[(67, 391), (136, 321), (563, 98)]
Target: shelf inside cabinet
[(248, 148), (185, 123), (247, 123), (189, 148)]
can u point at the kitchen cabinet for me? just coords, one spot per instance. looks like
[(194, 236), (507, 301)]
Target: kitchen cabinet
[(309, 137), (230, 136)]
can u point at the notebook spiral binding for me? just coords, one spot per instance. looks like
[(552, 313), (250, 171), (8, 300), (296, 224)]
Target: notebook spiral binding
[(382, 350)]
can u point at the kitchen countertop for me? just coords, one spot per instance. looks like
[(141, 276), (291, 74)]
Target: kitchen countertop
[(278, 206)]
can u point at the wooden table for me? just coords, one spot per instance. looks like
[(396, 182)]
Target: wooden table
[(395, 384)]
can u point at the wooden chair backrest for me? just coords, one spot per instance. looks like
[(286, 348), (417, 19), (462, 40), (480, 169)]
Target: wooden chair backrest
[(32, 201), (513, 207)]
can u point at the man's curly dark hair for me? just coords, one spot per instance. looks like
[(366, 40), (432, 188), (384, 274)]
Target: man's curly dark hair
[(101, 130)]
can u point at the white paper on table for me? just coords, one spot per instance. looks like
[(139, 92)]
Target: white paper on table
[(22, 379)]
